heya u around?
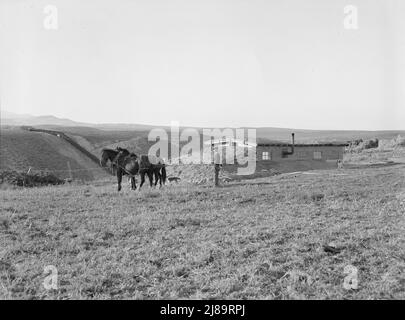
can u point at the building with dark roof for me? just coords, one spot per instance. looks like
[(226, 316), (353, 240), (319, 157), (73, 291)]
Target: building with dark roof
[(288, 157)]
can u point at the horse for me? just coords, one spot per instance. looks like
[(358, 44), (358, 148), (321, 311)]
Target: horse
[(127, 164), (147, 165), (153, 165), (124, 161)]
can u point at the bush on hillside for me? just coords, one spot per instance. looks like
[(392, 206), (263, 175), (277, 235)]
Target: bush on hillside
[(23, 179), (355, 143), (370, 144)]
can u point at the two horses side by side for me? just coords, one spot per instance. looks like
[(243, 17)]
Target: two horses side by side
[(127, 163)]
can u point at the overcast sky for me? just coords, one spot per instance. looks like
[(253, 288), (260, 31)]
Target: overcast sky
[(287, 63)]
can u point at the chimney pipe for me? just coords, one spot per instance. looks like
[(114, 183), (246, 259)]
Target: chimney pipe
[(293, 142)]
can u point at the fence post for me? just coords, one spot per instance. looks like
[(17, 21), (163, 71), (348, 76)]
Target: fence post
[(212, 149), (235, 158), (70, 171), (26, 176)]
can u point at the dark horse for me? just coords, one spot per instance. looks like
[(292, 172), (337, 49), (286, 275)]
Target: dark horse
[(128, 163), (124, 162), (154, 166)]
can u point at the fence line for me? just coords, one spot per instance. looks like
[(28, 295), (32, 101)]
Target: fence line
[(63, 170), (57, 170)]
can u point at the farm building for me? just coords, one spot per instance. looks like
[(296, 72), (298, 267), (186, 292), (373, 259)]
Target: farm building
[(287, 157), (285, 151)]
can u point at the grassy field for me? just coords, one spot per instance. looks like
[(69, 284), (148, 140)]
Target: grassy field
[(21, 149), (260, 239)]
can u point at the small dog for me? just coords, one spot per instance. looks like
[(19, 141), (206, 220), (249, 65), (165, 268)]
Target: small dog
[(171, 179)]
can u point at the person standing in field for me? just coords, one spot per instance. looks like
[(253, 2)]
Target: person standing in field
[(217, 167)]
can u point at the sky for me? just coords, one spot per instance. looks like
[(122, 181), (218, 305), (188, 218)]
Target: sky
[(257, 63)]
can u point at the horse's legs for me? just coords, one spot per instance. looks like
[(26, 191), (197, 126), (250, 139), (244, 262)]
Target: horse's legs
[(133, 183), (119, 179), (142, 179), (161, 180), (157, 177), (164, 174), (150, 176)]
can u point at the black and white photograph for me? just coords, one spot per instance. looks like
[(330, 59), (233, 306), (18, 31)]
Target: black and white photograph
[(202, 154)]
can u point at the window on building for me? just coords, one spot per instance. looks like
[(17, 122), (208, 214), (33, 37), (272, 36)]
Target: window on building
[(301, 154), (317, 155), (265, 155)]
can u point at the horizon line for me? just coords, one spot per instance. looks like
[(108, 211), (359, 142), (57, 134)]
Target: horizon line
[(83, 123)]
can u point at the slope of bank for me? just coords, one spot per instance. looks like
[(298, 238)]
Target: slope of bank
[(21, 149)]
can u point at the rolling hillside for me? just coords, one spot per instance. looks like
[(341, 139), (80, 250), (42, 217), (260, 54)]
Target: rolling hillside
[(94, 140), (22, 149), (122, 130), (135, 138), (320, 136)]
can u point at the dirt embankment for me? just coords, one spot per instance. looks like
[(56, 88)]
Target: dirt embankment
[(43, 152)]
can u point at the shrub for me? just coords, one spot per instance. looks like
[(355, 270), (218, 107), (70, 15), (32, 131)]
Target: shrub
[(369, 144), (23, 179)]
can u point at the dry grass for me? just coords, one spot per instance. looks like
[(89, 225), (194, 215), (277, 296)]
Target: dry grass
[(261, 239), (21, 149)]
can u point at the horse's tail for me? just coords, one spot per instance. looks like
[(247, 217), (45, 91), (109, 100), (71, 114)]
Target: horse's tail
[(164, 174)]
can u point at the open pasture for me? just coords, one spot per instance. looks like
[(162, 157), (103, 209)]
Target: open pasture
[(261, 239)]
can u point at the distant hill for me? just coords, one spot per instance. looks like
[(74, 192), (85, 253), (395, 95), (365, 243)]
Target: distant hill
[(126, 131), (14, 119)]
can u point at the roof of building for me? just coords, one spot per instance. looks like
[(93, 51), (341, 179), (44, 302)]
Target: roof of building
[(228, 141), (302, 145), (241, 143)]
